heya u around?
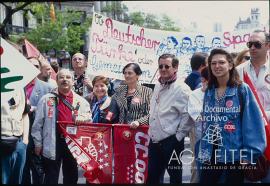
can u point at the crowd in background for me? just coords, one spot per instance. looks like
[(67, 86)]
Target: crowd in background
[(173, 110)]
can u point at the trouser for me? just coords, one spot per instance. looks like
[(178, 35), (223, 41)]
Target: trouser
[(13, 164), (266, 179), (229, 173), (29, 172), (194, 171), (69, 166), (165, 155)]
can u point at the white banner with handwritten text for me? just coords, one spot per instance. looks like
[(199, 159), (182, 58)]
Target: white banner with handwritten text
[(114, 44)]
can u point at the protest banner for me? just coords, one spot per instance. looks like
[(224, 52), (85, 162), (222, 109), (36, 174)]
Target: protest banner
[(100, 154), (130, 155), (114, 44), (15, 69), (91, 146)]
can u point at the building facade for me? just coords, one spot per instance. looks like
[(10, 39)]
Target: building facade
[(252, 22)]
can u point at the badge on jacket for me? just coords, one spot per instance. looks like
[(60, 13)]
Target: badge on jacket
[(136, 100), (229, 127)]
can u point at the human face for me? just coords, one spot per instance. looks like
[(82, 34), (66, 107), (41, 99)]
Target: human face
[(220, 67), (78, 61), (216, 43), (35, 63), (100, 89), (166, 73), (64, 81), (258, 53), (170, 43), (46, 71), (130, 76), (200, 42), (246, 57), (186, 44)]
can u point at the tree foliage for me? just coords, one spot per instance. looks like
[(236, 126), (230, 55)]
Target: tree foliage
[(19, 6), (152, 21), (65, 33), (168, 24)]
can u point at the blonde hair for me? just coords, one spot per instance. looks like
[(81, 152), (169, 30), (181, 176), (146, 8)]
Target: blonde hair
[(239, 58)]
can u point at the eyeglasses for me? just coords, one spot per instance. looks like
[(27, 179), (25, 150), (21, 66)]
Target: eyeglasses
[(166, 67), (77, 59), (246, 58), (256, 44)]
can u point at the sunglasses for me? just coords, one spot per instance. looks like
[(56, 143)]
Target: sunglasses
[(166, 67), (37, 66), (256, 44), (246, 58)]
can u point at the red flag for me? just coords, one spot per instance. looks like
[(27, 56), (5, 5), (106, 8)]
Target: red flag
[(52, 12), (130, 154), (32, 51), (91, 146), (267, 125)]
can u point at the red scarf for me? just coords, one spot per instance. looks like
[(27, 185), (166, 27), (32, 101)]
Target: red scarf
[(167, 81)]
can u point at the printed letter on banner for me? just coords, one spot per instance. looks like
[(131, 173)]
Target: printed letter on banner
[(130, 154)]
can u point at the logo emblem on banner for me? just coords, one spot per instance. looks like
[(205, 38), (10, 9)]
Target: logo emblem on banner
[(126, 135)]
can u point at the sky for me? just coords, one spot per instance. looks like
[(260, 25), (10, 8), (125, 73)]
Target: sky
[(205, 13)]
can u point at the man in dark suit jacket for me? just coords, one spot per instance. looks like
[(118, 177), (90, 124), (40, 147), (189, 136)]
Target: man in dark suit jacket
[(197, 62)]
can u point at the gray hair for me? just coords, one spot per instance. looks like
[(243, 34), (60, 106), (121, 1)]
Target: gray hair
[(65, 70)]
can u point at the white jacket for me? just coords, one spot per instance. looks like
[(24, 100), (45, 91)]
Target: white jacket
[(13, 122), (168, 111)]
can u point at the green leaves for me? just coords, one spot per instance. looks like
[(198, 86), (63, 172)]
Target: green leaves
[(65, 33), (152, 21)]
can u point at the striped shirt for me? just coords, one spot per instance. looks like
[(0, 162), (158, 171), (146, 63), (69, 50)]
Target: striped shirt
[(139, 106)]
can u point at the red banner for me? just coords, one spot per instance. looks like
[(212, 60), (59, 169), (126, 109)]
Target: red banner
[(267, 124), (32, 51), (130, 154), (91, 146)]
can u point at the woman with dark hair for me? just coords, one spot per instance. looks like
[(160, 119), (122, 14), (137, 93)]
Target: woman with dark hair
[(229, 118), (130, 103), (99, 100)]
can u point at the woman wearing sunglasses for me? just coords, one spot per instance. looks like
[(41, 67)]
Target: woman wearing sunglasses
[(242, 57), (130, 103), (230, 118)]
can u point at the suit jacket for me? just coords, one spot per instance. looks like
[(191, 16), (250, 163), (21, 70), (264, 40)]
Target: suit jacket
[(139, 107)]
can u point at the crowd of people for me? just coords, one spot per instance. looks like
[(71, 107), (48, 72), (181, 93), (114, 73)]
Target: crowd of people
[(213, 106)]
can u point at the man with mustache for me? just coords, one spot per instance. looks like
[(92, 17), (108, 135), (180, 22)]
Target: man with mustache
[(48, 139)]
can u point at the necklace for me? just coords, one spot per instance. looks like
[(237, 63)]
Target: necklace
[(219, 95), (130, 92)]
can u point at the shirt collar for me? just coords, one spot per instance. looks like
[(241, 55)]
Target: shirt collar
[(264, 66), (70, 95)]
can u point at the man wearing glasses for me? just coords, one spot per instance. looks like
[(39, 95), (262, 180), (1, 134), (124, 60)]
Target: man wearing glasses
[(82, 82), (168, 122), (258, 69)]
